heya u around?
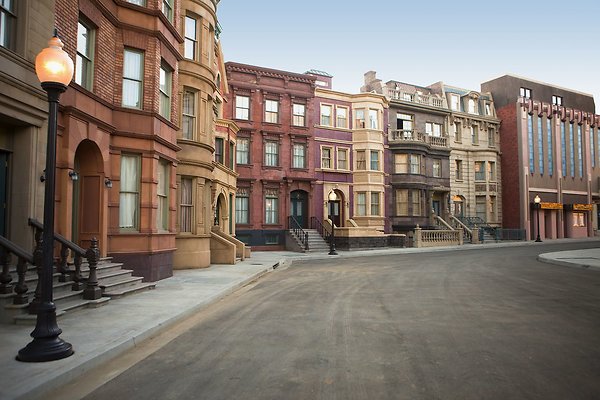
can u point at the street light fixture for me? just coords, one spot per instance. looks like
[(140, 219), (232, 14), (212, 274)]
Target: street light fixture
[(54, 69), (538, 205), (332, 198)]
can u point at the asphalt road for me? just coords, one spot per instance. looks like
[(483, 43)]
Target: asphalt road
[(481, 324)]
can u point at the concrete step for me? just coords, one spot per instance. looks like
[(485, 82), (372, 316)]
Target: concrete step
[(105, 278), (120, 291)]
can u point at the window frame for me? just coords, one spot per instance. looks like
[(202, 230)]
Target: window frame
[(242, 215), (361, 207), (241, 150), (375, 205), (135, 191), (167, 9), (271, 201), (8, 34), (361, 164), (271, 116), (329, 159), (374, 160), (344, 118), (186, 218), (269, 157), (165, 90), (322, 116), (525, 92), (162, 212), (188, 114), (189, 40), (479, 171), (345, 151), (436, 168), (298, 119), (219, 150), (139, 82), (243, 109), (84, 63), (296, 157)]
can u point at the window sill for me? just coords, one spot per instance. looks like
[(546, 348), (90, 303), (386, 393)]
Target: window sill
[(272, 167)]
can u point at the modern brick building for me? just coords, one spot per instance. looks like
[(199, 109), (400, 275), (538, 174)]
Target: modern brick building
[(549, 139), (274, 112)]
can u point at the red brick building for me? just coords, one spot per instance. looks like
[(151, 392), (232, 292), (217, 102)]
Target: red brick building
[(118, 130), (274, 111)]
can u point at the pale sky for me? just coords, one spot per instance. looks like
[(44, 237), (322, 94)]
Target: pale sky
[(462, 43)]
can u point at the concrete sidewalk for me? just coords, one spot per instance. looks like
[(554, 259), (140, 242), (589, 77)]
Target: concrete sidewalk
[(98, 335)]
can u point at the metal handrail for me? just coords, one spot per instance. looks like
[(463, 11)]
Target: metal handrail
[(315, 223), (296, 228), (66, 245), (24, 258)]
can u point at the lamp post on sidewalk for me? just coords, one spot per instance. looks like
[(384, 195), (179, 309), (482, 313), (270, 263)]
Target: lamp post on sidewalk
[(332, 198), (538, 204), (54, 69)]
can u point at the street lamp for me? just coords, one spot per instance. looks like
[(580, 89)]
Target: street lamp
[(54, 69), (538, 205), (332, 198)]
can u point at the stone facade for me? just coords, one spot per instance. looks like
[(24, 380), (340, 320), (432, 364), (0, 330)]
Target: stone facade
[(418, 156), (475, 171)]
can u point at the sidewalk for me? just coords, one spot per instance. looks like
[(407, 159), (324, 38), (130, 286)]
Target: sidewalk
[(98, 335)]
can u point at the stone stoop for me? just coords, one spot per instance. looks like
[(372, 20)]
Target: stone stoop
[(114, 281), (315, 242)]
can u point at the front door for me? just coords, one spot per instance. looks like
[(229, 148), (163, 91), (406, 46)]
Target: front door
[(299, 207), (88, 194), (436, 207), (335, 214), (3, 191)]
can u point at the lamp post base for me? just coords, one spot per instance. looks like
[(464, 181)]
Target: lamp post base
[(45, 349), (538, 239)]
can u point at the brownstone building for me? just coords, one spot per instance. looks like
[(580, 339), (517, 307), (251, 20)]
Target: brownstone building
[(118, 130), (274, 112)]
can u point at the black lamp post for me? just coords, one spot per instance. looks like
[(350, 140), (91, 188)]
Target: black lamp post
[(332, 198), (54, 69), (538, 204)]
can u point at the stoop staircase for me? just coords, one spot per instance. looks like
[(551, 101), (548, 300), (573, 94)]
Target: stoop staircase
[(88, 281), (315, 242)]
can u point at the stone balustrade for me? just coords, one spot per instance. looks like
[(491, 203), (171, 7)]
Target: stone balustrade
[(437, 237)]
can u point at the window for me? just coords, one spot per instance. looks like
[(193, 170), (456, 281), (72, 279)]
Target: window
[(563, 141), (480, 204), (84, 67), (271, 238), (474, 134), (415, 163), (493, 214), (457, 132), (138, 2), (271, 206), (578, 219), (325, 157), (579, 150), (7, 23), (557, 100), (416, 203), (166, 74), (186, 206), (373, 120), (326, 115), (550, 147), (454, 102), (133, 73), (401, 163), (243, 151), (231, 154), (341, 114), (459, 170), (530, 143), (190, 41), (540, 146), (361, 160), (129, 192), (491, 137), (299, 115), (242, 215), (402, 202), (524, 92), (433, 129), (342, 159), (242, 107), (359, 120), (361, 203), (271, 111), (299, 156), (404, 123), (593, 147), (374, 203), (188, 111), (488, 109), (437, 168), (167, 9), (471, 106), (492, 171), (479, 171), (219, 150), (162, 214), (572, 150), (271, 154), (374, 160)]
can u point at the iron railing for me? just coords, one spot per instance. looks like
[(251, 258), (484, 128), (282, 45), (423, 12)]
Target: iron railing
[(315, 223), (296, 228)]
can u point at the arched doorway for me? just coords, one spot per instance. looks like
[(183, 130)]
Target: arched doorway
[(220, 212), (458, 202), (299, 207), (88, 195), (335, 209)]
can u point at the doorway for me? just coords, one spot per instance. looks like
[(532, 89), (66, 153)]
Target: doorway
[(88, 195), (3, 192), (299, 207)]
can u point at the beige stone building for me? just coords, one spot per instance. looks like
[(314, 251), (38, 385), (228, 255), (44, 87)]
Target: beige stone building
[(475, 174)]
